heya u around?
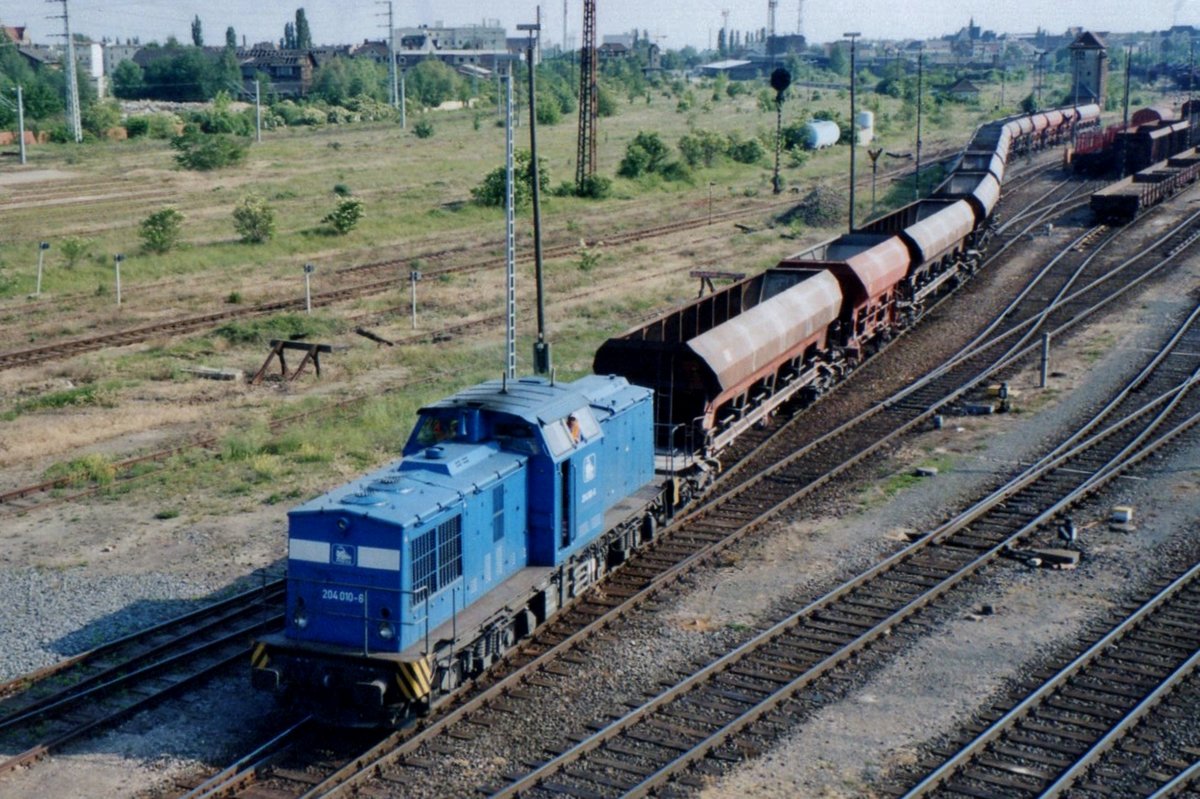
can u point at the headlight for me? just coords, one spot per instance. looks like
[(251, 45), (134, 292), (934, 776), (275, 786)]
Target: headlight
[(385, 630), (300, 615)]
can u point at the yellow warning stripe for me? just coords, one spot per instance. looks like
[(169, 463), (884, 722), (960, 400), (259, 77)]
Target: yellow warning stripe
[(415, 679), (259, 658)]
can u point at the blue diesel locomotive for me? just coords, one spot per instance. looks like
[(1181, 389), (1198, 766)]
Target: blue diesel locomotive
[(526, 491)]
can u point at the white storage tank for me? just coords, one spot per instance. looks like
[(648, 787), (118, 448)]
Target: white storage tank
[(821, 133)]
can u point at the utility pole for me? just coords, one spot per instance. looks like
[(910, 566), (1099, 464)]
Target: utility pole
[(510, 237), (771, 5), (1041, 74), (920, 93), (800, 17), (1191, 99), (21, 133), (589, 97), (541, 347), (257, 111), (403, 101), (391, 24), (853, 124), (73, 119), (564, 39), (1125, 123)]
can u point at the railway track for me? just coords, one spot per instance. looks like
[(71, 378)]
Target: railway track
[(470, 262), (134, 335), (702, 716), (692, 544), (1102, 725), (41, 711)]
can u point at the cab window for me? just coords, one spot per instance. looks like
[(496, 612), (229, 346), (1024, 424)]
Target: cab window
[(435, 429)]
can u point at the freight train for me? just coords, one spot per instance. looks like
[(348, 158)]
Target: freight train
[(1153, 135), (512, 497)]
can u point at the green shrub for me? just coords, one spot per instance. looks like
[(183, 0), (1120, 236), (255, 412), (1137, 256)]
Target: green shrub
[(645, 154), (262, 329), (137, 126), (161, 230), (749, 151), (548, 113), (75, 249), (254, 219), (163, 126), (342, 190), (703, 147), (345, 216), (204, 153), (423, 129), (595, 187), (100, 117), (93, 468), (491, 191)]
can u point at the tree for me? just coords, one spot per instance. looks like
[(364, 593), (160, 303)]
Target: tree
[(161, 230), (331, 82), (254, 219), (190, 75), (197, 32), (289, 36), (432, 83), (127, 82), (838, 63), (345, 216), (230, 38), (303, 35)]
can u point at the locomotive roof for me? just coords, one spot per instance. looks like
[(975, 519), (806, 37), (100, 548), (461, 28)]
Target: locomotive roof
[(412, 490), (538, 400)]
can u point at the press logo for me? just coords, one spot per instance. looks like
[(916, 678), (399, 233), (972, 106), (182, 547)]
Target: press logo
[(343, 555)]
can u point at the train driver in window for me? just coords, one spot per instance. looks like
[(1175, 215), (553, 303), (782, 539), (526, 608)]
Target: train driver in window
[(436, 429), (573, 428)]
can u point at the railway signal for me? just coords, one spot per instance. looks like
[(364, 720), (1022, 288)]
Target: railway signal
[(781, 79), (308, 270), (874, 154), (42, 247), (117, 259), (413, 276)]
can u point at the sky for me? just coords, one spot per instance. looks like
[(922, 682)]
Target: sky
[(676, 22)]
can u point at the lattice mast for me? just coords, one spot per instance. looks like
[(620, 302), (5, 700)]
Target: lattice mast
[(585, 157)]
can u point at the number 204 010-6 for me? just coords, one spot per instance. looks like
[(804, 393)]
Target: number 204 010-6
[(334, 595)]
